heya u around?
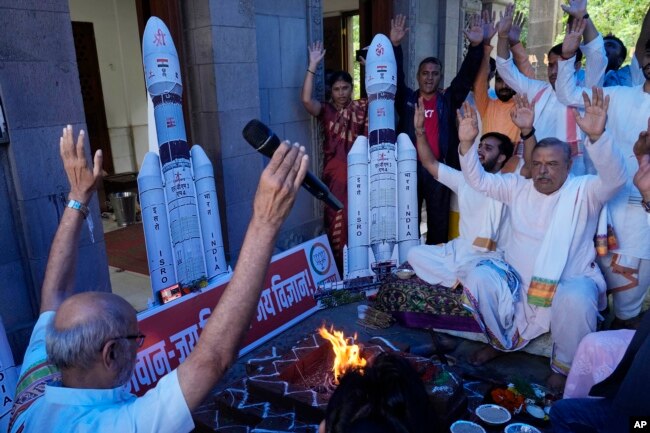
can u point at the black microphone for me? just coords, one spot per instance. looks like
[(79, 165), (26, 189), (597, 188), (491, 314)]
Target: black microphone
[(265, 141)]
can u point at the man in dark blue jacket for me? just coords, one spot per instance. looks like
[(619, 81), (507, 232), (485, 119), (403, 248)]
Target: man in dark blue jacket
[(439, 124)]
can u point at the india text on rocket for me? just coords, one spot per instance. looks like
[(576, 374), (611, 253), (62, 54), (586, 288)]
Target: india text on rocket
[(178, 197), (382, 184)]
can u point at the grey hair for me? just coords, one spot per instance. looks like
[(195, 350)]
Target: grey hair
[(552, 141), (78, 346)]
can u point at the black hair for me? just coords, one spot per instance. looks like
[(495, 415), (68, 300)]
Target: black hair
[(505, 144), (552, 141), (388, 398), (339, 76), (620, 42), (557, 50), (493, 65), (433, 60)]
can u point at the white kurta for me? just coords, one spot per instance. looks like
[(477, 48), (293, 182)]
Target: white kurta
[(551, 116), (530, 213), (629, 109), (446, 263)]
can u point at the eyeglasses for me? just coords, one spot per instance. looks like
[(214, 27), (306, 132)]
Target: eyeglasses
[(139, 339)]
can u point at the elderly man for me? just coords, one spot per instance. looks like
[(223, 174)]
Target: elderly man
[(480, 216), (92, 338), (553, 217), (627, 265)]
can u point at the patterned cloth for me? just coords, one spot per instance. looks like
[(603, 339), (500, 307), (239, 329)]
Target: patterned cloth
[(417, 304), (340, 129), (596, 359)]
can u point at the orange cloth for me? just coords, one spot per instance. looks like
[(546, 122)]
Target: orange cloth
[(495, 114)]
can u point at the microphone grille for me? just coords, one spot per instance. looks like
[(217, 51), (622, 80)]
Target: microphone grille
[(256, 133)]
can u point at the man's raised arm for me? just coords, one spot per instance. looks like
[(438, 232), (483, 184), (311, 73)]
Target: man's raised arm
[(494, 186), (606, 157), (220, 340), (62, 261), (566, 89)]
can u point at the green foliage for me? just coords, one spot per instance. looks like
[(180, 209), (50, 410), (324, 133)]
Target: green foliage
[(523, 6), (356, 76), (622, 18)]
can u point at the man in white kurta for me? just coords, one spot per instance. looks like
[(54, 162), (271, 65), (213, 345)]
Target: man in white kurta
[(479, 222), (626, 268), (552, 118), (509, 319)]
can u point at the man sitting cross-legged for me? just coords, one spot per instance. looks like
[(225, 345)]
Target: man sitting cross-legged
[(480, 216), (92, 338), (553, 218)]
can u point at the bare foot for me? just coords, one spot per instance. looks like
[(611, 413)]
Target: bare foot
[(483, 355), (555, 383)]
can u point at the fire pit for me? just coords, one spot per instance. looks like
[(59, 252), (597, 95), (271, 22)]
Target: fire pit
[(301, 381)]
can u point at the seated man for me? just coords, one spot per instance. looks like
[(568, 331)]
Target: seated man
[(480, 216), (553, 218), (600, 353), (92, 338)]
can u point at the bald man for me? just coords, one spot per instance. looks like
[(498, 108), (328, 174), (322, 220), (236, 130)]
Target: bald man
[(83, 347)]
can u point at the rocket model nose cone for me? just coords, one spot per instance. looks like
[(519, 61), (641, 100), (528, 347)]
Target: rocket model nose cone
[(381, 70), (201, 163), (360, 146), (150, 176), (161, 67)]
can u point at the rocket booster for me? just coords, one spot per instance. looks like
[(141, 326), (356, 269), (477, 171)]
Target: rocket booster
[(382, 185), (168, 184)]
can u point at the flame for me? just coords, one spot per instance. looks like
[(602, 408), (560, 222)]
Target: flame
[(347, 356)]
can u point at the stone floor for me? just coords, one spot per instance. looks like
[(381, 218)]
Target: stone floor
[(501, 370)]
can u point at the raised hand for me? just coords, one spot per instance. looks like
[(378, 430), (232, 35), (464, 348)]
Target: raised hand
[(279, 184), (467, 123), (474, 32), (316, 54), (642, 145), (398, 29), (593, 122), (575, 8), (572, 38), (418, 117), (518, 23), (489, 29), (505, 21), (523, 113), (642, 177), (83, 178)]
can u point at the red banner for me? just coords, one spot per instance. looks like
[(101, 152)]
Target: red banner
[(173, 329)]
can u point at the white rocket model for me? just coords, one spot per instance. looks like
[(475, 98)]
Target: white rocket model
[(178, 196), (382, 181)]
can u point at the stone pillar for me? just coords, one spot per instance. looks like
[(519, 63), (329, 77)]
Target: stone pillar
[(246, 60), (39, 86), (543, 22)]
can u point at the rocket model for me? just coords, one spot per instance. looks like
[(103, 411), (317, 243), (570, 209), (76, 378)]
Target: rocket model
[(178, 197), (382, 181)]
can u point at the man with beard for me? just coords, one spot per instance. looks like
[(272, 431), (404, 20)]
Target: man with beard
[(439, 124), (627, 265), (83, 348), (549, 280), (552, 118), (480, 216)]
